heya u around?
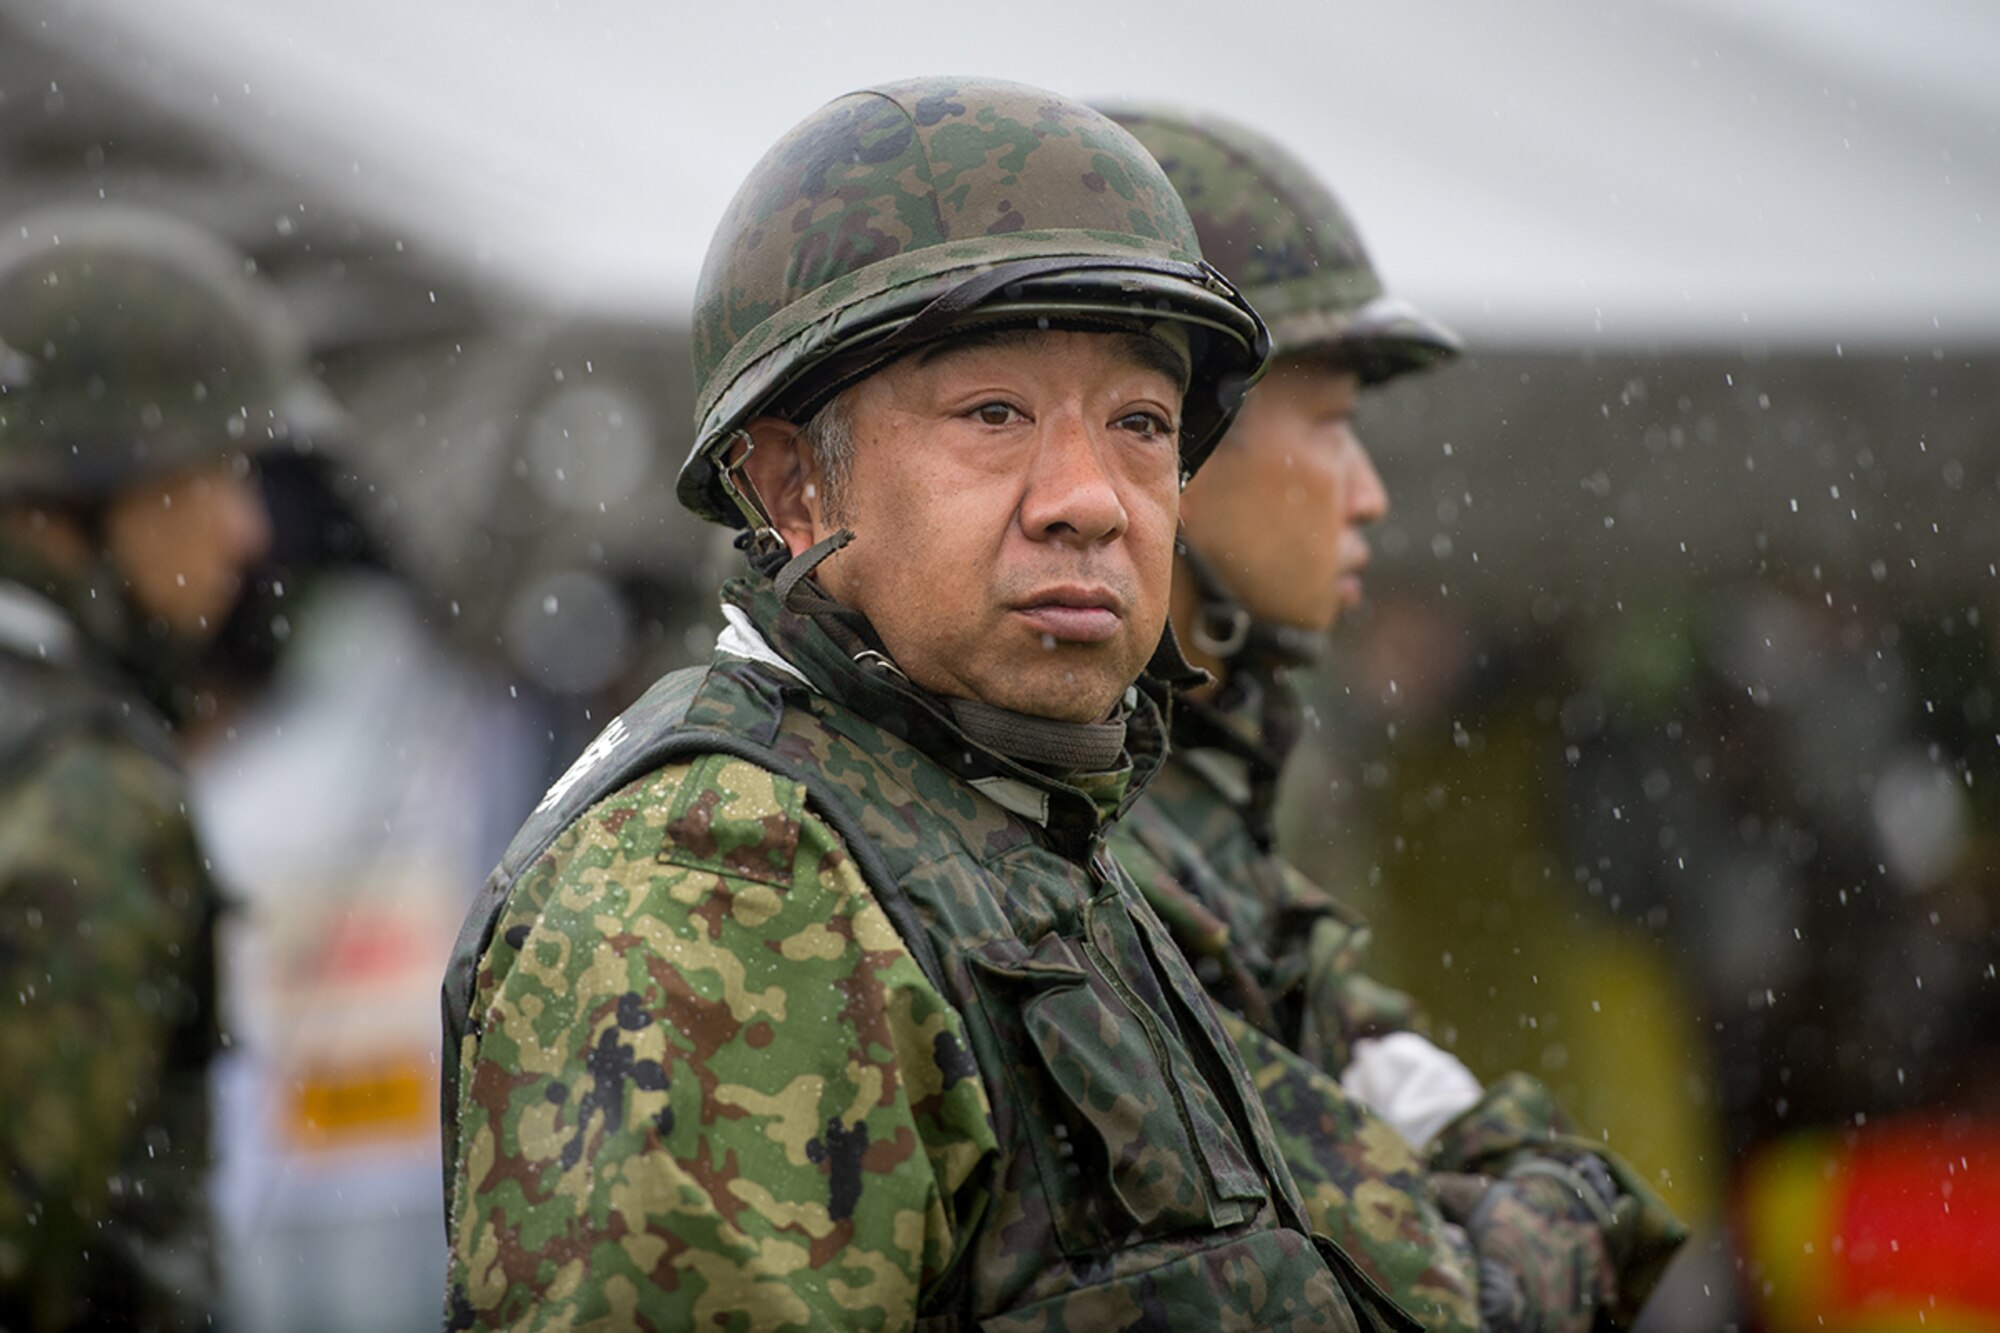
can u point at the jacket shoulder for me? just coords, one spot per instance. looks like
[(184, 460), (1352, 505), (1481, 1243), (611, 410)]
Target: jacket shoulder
[(696, 835), (717, 813), (47, 708)]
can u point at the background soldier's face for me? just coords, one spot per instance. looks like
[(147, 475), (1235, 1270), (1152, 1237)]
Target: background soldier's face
[(1013, 500), (183, 543), (1279, 507)]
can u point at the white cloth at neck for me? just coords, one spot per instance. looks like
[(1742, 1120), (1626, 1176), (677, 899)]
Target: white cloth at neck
[(740, 638)]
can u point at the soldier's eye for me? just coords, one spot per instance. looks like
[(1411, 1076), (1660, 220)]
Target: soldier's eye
[(994, 414), (1147, 425)]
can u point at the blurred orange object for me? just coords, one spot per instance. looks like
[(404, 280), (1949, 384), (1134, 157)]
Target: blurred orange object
[(338, 1107)]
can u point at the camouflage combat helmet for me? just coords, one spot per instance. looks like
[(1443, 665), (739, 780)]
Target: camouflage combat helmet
[(899, 214), (1279, 234), (133, 343)]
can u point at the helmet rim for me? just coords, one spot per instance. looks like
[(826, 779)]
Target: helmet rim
[(1134, 281)]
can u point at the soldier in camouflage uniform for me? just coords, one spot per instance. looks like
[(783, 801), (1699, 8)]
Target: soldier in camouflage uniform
[(1475, 1207), (810, 997), (139, 366)]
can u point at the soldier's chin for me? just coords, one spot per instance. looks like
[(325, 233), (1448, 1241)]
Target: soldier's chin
[(1344, 598), (1061, 694)]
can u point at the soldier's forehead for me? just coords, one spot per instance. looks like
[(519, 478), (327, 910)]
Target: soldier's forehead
[(1152, 353)]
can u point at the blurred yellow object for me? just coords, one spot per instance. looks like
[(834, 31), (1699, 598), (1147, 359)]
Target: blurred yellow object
[(352, 986), (1477, 916)]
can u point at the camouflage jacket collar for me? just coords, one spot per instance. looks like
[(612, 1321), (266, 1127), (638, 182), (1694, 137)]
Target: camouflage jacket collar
[(1239, 740), (100, 631), (860, 676), (90, 609), (32, 626)]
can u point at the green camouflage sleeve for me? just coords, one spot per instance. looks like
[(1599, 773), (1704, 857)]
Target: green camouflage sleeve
[(708, 1086), (1265, 940), (1363, 1186), (103, 902), (1483, 1230)]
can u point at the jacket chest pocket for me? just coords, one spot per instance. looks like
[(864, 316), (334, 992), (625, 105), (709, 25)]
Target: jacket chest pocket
[(1128, 1138)]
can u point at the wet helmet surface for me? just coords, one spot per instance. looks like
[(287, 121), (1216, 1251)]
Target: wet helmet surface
[(133, 343)]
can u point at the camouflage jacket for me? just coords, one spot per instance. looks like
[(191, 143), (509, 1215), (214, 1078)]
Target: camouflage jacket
[(1286, 962), (106, 960), (793, 1007)]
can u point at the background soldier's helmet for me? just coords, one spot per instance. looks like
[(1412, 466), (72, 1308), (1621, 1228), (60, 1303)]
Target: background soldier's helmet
[(1277, 232), (133, 343), (896, 215)]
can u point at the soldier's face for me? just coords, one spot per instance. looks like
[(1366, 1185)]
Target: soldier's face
[(1279, 507), (1013, 502), (184, 543)]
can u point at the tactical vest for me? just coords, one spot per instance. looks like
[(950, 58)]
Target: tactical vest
[(1137, 1185)]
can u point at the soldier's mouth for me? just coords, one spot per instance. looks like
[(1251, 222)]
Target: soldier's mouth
[(1072, 614)]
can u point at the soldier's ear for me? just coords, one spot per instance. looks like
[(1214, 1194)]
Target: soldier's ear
[(780, 467)]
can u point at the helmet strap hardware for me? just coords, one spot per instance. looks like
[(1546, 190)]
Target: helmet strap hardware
[(742, 492), (764, 546), (1223, 625), (1211, 278), (869, 657), (1220, 630)]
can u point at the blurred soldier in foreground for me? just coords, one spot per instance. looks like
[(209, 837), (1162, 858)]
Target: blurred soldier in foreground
[(809, 997), (140, 369), (1474, 1207)]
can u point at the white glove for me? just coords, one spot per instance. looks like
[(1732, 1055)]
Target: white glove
[(1410, 1082)]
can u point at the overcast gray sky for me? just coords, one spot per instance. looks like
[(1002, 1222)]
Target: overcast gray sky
[(1803, 170)]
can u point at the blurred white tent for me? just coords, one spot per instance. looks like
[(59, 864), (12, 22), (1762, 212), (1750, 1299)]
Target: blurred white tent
[(1793, 171)]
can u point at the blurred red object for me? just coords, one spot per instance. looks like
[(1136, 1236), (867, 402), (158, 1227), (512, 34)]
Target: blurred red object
[(1879, 1227)]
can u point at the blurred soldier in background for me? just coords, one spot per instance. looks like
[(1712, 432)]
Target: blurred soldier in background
[(1475, 1207), (140, 372), (809, 995)]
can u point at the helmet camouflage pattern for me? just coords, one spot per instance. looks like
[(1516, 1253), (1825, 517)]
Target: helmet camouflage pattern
[(132, 344), (899, 214), (1278, 233)]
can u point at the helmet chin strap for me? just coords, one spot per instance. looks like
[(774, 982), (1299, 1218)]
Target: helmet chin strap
[(1225, 629), (795, 571), (1256, 715)]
